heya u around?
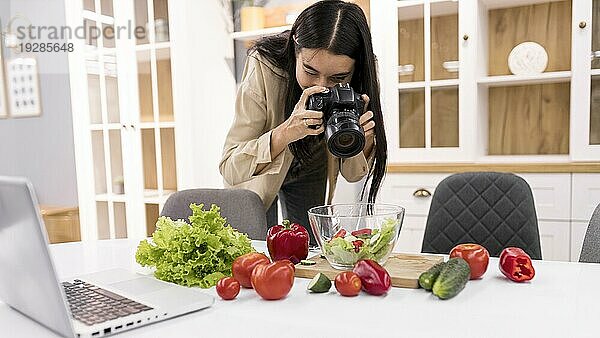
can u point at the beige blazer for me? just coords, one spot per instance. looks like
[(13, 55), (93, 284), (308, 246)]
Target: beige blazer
[(259, 108)]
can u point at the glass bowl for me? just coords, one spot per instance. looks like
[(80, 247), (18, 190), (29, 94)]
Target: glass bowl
[(347, 233)]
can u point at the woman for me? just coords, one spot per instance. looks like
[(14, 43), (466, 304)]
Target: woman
[(275, 146)]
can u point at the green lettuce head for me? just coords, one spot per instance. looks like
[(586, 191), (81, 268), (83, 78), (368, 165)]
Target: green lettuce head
[(198, 253)]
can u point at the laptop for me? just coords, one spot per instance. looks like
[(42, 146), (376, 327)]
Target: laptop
[(93, 305)]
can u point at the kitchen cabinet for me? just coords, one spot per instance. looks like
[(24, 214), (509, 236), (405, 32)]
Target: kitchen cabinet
[(561, 234), (450, 96), (411, 234), (586, 196), (578, 230), (414, 193), (554, 240), (552, 195)]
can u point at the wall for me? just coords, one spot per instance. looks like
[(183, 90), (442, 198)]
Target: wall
[(199, 86), (41, 148)]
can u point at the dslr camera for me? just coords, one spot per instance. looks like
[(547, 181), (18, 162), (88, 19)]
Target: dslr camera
[(342, 108)]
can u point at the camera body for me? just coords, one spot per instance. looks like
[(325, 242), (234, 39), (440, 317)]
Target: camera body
[(342, 108)]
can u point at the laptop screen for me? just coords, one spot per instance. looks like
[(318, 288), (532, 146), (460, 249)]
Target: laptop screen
[(28, 281)]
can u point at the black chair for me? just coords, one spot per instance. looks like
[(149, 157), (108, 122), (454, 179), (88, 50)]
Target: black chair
[(242, 208), (590, 252), (495, 210)]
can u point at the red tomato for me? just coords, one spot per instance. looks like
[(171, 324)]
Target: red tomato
[(476, 255), (242, 267), (273, 281), (228, 288), (348, 284)]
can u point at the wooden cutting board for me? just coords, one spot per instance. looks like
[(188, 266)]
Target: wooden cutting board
[(404, 269)]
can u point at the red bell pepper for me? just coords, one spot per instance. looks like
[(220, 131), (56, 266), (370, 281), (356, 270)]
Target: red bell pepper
[(357, 245), (288, 241), (374, 278), (366, 231), (516, 265), (342, 233)]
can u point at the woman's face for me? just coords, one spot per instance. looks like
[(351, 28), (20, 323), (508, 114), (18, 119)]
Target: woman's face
[(320, 67)]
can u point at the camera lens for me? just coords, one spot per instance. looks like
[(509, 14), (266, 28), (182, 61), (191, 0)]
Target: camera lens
[(345, 140), (345, 137)]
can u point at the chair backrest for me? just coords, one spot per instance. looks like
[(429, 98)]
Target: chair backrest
[(495, 210), (590, 252), (242, 208)]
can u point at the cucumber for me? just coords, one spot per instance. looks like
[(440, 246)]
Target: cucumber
[(428, 277), (319, 284), (452, 279), (307, 262)]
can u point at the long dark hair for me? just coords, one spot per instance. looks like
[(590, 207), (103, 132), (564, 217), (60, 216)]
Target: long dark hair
[(342, 29)]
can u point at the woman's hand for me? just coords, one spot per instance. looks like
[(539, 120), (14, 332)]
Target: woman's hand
[(297, 126), (302, 122), (368, 125)]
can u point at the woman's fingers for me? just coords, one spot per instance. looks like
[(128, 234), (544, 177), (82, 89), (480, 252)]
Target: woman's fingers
[(365, 117), (317, 131), (313, 122), (310, 114), (308, 92), (367, 123), (369, 126), (366, 98)]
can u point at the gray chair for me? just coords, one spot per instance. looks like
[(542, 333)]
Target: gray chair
[(242, 208), (495, 210), (590, 252)]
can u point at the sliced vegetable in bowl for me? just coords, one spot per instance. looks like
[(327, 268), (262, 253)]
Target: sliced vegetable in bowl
[(373, 244)]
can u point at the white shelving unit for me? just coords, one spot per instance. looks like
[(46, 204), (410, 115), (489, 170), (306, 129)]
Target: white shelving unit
[(140, 109), (428, 126)]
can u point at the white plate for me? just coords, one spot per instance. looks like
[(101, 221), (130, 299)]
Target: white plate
[(527, 58)]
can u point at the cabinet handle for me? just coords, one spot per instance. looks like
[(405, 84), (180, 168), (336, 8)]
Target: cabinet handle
[(582, 24), (596, 54), (132, 126), (466, 37), (421, 192)]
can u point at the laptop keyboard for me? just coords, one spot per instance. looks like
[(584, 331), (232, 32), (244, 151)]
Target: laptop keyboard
[(92, 305)]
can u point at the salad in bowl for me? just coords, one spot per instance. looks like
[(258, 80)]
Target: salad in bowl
[(347, 233)]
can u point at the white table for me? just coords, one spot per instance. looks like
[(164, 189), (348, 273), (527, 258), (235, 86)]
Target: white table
[(561, 301)]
